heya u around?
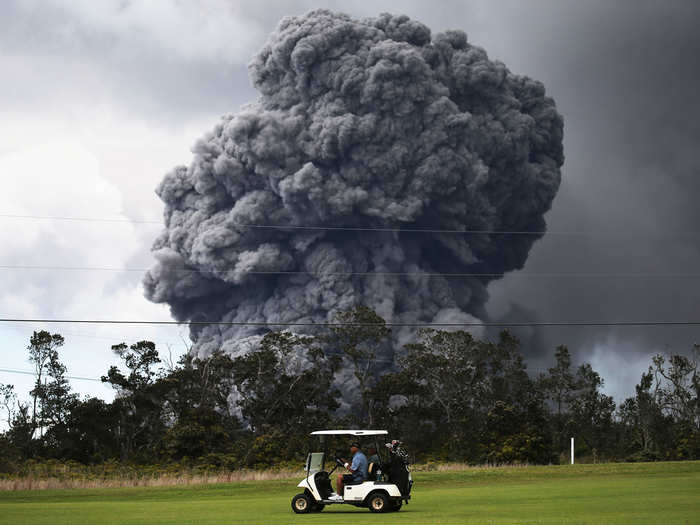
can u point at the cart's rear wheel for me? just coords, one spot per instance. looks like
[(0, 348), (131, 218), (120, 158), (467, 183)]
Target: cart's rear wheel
[(378, 502), (301, 504)]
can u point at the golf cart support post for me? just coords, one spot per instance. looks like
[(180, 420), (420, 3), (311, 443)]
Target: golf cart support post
[(377, 495)]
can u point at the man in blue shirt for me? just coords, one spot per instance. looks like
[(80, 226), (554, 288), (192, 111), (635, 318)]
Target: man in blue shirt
[(358, 469)]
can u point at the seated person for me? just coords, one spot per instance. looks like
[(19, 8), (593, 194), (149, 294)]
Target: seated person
[(358, 470), (373, 458)]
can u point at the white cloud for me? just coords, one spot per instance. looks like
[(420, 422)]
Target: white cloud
[(60, 178), (213, 30), (65, 177)]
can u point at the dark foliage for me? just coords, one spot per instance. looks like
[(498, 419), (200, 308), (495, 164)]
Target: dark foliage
[(450, 397)]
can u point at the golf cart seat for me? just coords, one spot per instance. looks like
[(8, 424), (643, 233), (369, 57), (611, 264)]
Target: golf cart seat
[(372, 471), (353, 482)]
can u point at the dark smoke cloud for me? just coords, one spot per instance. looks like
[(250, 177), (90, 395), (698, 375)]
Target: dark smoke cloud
[(620, 74), (370, 123)]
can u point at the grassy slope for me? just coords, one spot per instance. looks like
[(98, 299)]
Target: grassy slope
[(611, 493)]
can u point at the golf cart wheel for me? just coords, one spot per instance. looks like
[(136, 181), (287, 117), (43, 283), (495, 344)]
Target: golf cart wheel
[(396, 505), (317, 507), (301, 504), (378, 502)]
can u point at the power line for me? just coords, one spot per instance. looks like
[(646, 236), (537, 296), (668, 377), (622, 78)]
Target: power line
[(642, 275), (78, 219), (117, 338), (30, 373), (356, 229), (327, 325)]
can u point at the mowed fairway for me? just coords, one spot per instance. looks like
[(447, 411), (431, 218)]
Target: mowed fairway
[(610, 493)]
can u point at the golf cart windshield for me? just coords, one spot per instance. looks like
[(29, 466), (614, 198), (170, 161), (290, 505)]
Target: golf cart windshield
[(314, 462)]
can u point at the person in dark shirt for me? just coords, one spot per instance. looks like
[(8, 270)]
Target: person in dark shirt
[(373, 458)]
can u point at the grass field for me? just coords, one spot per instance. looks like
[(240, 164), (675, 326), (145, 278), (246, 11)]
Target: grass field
[(607, 493)]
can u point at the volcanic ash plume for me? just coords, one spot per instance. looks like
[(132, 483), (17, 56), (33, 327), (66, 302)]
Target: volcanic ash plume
[(363, 124)]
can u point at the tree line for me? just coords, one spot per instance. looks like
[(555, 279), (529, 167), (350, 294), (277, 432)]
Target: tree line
[(448, 396)]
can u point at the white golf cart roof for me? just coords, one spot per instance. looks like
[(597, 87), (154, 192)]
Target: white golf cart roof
[(350, 433)]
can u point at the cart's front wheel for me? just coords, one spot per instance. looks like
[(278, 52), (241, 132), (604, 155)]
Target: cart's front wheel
[(378, 502), (317, 507), (301, 504), (396, 505)]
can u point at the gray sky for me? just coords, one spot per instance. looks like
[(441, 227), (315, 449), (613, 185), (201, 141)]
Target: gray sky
[(100, 99)]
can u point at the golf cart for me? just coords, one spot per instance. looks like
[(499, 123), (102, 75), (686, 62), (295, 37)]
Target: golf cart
[(387, 486)]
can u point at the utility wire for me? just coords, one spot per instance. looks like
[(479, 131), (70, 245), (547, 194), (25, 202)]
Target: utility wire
[(30, 373), (355, 229), (117, 338), (383, 274), (78, 219), (326, 325)]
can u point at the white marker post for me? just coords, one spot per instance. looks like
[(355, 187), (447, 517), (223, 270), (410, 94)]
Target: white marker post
[(572, 451)]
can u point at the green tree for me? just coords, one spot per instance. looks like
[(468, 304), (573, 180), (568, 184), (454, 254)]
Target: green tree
[(56, 402), (91, 434), (679, 387), (559, 385), (516, 417), (21, 433), (647, 425), (286, 383), (43, 354), (138, 403), (196, 394), (435, 391), (662, 420), (464, 397), (200, 383), (55, 396), (8, 401), (358, 336), (591, 411)]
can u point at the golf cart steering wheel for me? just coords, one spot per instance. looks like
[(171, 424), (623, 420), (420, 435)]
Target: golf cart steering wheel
[(338, 463)]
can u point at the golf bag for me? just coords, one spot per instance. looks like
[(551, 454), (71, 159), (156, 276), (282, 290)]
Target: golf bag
[(398, 471)]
